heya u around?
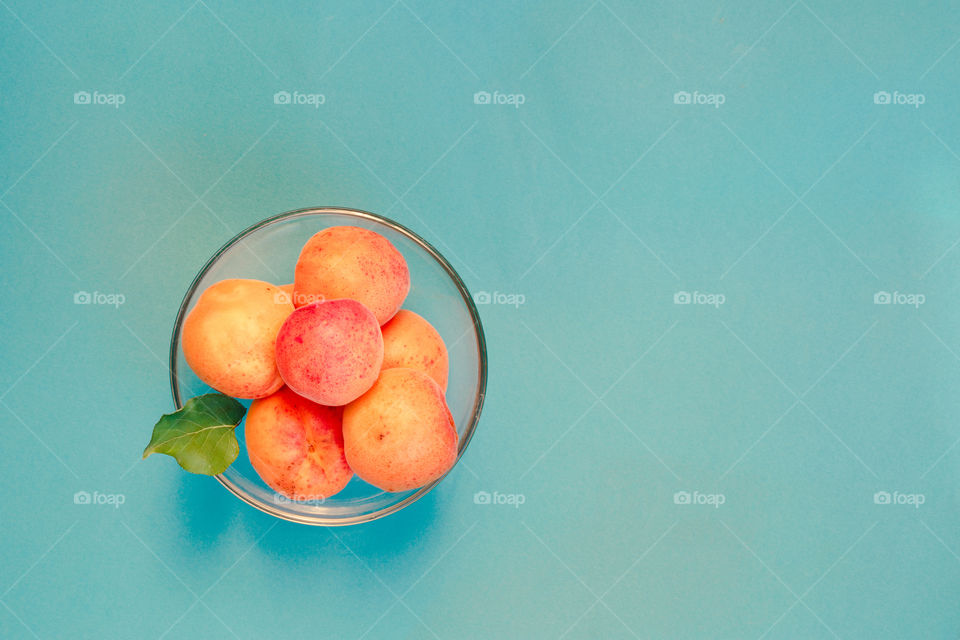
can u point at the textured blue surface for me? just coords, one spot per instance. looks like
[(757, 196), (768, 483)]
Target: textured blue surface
[(597, 200)]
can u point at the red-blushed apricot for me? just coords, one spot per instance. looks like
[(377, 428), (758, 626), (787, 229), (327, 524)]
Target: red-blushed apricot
[(296, 446), (412, 342), (355, 263), (400, 435), (229, 337), (330, 352)]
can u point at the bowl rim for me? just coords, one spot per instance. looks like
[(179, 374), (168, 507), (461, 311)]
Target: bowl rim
[(468, 432)]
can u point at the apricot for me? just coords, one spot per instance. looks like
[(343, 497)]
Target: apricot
[(412, 342), (296, 446), (355, 263), (330, 352), (229, 337), (400, 434)]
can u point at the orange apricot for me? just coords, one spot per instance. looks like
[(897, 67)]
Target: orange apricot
[(296, 446), (355, 263), (412, 342), (229, 337), (400, 434)]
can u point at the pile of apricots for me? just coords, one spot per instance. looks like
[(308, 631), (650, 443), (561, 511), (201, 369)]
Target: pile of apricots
[(342, 379)]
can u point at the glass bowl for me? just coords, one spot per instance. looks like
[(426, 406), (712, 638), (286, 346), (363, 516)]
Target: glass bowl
[(268, 251)]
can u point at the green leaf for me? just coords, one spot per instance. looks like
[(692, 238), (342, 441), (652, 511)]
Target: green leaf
[(200, 435)]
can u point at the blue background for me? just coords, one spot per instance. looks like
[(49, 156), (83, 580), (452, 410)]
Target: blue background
[(597, 200)]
